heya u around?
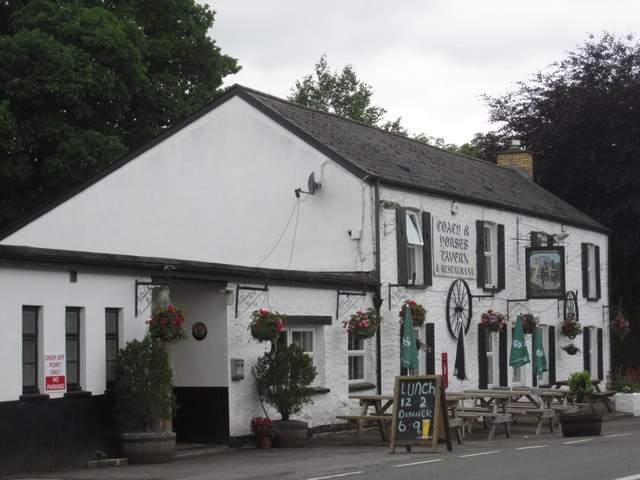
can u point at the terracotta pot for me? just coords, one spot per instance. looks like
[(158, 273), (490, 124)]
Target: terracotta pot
[(265, 442)]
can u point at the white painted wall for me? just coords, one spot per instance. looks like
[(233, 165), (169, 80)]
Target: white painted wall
[(220, 190), (434, 298), (53, 292)]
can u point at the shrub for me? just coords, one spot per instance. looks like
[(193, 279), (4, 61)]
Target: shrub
[(624, 380)]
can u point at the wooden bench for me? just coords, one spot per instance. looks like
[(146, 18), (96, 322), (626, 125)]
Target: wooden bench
[(541, 413), (490, 420), (360, 421)]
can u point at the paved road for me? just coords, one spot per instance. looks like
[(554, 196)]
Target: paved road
[(613, 455)]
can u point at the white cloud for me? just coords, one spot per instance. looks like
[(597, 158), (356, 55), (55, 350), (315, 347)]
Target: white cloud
[(427, 61)]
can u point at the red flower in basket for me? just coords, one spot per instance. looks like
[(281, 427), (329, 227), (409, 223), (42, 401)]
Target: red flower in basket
[(418, 313), (493, 321), (167, 323), (265, 326)]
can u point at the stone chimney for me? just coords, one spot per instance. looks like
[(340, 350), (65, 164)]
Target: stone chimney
[(517, 159)]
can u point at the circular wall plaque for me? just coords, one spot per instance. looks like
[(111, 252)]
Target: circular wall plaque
[(199, 331)]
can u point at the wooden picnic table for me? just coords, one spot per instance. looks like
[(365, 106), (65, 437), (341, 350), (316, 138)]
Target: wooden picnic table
[(491, 406), (375, 408)]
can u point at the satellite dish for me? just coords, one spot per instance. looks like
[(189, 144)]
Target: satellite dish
[(312, 185)]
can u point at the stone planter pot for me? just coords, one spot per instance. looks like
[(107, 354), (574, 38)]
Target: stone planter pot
[(581, 424), (153, 447), (294, 433), (628, 402)]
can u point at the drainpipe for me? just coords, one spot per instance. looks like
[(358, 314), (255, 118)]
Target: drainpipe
[(377, 297)]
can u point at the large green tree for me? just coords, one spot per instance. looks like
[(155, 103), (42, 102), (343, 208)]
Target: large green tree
[(84, 81), (581, 118), (342, 93)]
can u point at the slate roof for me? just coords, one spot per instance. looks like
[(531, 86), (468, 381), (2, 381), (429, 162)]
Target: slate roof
[(407, 163)]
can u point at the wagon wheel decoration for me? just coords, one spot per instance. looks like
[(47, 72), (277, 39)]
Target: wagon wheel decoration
[(458, 307), (570, 305)]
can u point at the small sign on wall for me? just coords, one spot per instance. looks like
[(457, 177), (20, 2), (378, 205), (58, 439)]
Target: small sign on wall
[(454, 253), (55, 372)]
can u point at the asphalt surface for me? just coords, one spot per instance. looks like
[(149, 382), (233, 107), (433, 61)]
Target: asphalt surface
[(220, 461)]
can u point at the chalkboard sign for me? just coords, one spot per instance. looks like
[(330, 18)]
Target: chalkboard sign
[(419, 408)]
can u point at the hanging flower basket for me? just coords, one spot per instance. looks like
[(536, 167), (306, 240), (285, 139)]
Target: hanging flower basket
[(570, 328), (418, 313), (571, 349), (493, 321), (363, 325), (167, 323), (620, 326), (529, 323), (265, 326)]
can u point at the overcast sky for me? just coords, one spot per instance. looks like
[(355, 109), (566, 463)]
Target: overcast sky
[(427, 61)]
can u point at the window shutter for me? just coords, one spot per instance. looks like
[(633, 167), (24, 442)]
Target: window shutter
[(431, 341), (482, 357), (585, 270), (503, 359), (480, 252), (586, 347), (597, 267), (427, 266), (501, 269), (533, 351), (600, 353), (551, 355), (401, 235)]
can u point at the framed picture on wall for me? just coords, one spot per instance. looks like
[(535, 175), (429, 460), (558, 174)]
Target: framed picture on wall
[(545, 272)]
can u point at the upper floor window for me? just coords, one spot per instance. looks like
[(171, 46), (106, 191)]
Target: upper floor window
[(590, 271), (414, 247), (490, 255), (30, 350)]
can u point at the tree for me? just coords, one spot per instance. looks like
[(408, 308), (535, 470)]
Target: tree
[(484, 145), (343, 94), (581, 118), (84, 81)]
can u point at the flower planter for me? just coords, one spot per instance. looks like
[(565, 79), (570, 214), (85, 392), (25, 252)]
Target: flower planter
[(154, 447), (293, 433), (628, 402), (581, 425)]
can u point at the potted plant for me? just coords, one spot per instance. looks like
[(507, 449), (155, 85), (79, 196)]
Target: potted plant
[(418, 313), (581, 424), (265, 430), (143, 400), (493, 321), (529, 323), (265, 326), (363, 325), (283, 379)]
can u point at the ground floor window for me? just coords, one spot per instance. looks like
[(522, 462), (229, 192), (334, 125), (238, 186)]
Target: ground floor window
[(112, 340), (356, 360), (308, 339), (30, 350), (72, 347)]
